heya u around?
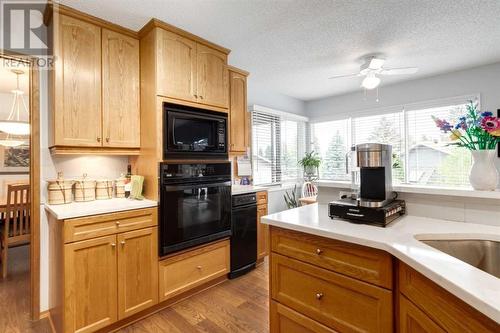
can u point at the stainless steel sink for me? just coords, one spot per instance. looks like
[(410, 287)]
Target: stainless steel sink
[(483, 254)]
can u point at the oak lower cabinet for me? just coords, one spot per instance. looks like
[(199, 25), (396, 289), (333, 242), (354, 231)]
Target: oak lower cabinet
[(107, 274), (413, 320), (262, 229), (322, 285)]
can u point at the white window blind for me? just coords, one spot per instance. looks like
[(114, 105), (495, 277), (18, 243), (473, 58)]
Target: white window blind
[(431, 161), (386, 128), (421, 152), (278, 143), (330, 140)]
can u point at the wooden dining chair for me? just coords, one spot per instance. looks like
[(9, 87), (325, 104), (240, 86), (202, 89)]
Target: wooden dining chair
[(16, 223)]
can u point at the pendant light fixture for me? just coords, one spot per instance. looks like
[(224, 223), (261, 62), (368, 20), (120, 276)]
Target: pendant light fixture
[(14, 124)]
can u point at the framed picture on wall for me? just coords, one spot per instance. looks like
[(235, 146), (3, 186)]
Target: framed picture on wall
[(14, 160)]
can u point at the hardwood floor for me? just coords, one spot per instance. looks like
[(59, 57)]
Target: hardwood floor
[(15, 296), (240, 305)]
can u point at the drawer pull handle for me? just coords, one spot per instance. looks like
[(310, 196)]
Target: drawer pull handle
[(319, 251), (113, 245), (198, 267), (122, 243), (319, 296), (117, 223)]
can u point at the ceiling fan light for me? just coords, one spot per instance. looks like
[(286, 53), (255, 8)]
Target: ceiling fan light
[(15, 127), (370, 82)]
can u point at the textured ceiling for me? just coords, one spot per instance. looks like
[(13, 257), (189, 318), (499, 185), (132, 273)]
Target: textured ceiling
[(293, 46)]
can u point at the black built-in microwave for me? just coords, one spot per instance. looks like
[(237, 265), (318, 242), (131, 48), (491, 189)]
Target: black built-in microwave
[(190, 132)]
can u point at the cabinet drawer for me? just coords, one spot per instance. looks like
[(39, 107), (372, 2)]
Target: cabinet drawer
[(362, 263), (187, 270), (342, 303), (285, 320), (262, 198), (108, 224), (447, 310)]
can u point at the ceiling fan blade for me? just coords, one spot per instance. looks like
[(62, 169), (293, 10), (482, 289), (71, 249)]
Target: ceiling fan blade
[(345, 75), (399, 71)]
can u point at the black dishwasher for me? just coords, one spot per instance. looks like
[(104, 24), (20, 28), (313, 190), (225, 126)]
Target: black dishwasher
[(244, 234)]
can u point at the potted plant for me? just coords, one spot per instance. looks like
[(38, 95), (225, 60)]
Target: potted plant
[(480, 133), (310, 162)]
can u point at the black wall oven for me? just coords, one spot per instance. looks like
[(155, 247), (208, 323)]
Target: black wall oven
[(195, 204), (190, 132)]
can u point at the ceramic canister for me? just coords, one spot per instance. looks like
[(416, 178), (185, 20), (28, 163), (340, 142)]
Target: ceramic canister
[(104, 189), (120, 187), (59, 191), (85, 189)]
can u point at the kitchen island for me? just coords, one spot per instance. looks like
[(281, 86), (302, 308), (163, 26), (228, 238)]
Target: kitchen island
[(389, 273)]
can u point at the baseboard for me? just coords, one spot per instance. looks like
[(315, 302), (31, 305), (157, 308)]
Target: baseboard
[(161, 306)]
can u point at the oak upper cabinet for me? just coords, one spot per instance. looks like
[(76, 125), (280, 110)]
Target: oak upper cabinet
[(94, 89), (120, 90), (137, 271), (176, 70), (90, 293), (238, 117), (189, 70), (77, 83), (212, 76)]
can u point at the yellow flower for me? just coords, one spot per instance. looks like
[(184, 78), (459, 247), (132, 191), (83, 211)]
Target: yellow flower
[(495, 132), (455, 135)]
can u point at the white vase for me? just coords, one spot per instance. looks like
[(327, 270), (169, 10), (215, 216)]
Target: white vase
[(484, 175)]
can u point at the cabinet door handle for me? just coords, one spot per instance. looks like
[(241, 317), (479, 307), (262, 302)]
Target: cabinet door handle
[(195, 96), (319, 296), (98, 139), (201, 96), (198, 267), (113, 245), (107, 139), (319, 251), (122, 243)]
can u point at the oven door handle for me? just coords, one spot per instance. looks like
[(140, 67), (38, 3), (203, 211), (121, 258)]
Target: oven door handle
[(170, 188)]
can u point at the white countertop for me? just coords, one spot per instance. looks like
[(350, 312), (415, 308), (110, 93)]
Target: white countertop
[(477, 288), (242, 189), (79, 209)]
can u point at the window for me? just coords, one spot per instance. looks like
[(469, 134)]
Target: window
[(431, 161), (278, 143), (385, 128), (421, 152), (330, 140)]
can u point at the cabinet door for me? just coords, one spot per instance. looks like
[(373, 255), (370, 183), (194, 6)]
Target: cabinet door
[(413, 320), (120, 86), (212, 77), (262, 233), (77, 86), (90, 284), (176, 73), (137, 271), (238, 112)]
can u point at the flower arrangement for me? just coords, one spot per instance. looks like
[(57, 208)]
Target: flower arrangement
[(475, 130)]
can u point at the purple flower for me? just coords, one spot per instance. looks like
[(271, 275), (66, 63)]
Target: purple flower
[(443, 125)]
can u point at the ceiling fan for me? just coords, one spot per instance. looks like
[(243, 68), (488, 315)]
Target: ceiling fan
[(372, 68)]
